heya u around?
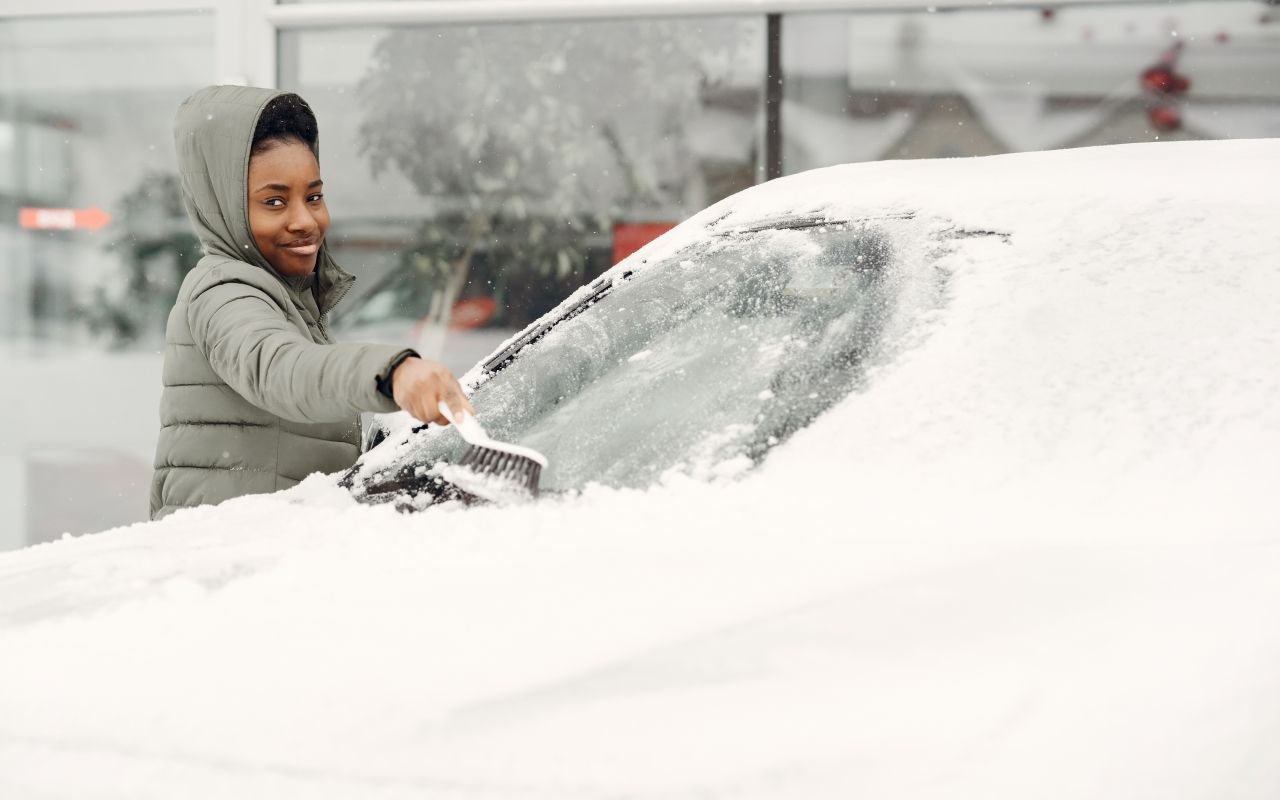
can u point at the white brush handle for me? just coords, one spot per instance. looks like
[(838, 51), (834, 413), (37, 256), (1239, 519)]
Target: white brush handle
[(470, 428), (474, 435)]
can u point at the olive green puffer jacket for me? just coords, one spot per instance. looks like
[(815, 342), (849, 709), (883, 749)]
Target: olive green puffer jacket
[(256, 394)]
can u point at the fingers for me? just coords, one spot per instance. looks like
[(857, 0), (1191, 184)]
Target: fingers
[(420, 386), (457, 402), (428, 411)]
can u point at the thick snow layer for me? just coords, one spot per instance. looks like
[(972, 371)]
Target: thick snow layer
[(1036, 557)]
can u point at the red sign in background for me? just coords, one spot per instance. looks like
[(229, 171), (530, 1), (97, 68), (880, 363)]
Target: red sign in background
[(62, 219), (629, 237), (473, 312)]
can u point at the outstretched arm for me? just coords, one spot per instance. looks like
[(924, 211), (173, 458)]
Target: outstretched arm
[(252, 345)]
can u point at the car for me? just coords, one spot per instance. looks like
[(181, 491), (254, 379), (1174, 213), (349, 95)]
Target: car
[(403, 307), (905, 479)]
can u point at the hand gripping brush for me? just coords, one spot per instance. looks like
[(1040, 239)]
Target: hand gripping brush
[(492, 470)]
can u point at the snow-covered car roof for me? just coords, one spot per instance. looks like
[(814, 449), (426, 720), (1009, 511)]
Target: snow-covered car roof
[(1033, 556)]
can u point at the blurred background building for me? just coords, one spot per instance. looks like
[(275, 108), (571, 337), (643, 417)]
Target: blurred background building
[(482, 158)]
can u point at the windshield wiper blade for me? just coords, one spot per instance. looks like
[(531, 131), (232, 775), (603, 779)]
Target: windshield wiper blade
[(796, 223), (599, 289)]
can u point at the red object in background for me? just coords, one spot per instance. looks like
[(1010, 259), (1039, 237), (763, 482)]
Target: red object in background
[(1157, 79), (1165, 117), (1163, 80), (62, 219), (629, 237), (1164, 87), (472, 312)]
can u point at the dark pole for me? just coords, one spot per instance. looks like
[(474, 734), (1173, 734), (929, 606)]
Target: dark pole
[(773, 99)]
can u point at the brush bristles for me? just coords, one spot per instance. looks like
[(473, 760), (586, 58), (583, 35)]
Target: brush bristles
[(521, 471)]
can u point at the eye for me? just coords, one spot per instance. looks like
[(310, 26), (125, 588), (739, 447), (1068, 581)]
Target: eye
[(315, 198), (274, 202)]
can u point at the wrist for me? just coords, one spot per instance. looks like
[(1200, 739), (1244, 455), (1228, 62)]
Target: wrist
[(385, 380)]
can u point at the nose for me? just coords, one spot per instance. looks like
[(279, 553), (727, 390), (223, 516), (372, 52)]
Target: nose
[(301, 220)]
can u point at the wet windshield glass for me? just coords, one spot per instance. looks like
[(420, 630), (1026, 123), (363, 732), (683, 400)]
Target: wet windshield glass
[(701, 362)]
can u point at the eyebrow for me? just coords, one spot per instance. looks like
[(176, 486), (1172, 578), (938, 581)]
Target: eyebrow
[(280, 187)]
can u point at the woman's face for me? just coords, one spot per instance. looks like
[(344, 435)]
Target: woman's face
[(287, 215)]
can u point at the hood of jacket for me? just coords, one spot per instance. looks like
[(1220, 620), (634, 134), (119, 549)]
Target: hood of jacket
[(213, 137)]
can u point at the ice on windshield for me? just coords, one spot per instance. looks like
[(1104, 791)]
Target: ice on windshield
[(701, 362)]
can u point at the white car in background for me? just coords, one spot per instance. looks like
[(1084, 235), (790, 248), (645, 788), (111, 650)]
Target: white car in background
[(403, 307), (901, 480)]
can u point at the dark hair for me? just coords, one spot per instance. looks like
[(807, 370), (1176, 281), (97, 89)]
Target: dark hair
[(287, 117)]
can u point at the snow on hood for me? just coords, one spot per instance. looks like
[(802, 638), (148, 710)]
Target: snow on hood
[(1035, 557)]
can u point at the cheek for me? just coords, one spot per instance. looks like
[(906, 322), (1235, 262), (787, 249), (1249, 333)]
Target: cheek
[(260, 225), (322, 219)]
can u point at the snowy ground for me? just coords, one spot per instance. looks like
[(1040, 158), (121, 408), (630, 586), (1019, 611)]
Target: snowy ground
[(1038, 557)]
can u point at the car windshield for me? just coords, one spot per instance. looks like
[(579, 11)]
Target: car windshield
[(700, 362)]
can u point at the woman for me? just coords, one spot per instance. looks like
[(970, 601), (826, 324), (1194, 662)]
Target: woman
[(256, 394)]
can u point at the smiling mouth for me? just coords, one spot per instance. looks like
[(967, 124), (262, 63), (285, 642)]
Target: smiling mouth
[(306, 248)]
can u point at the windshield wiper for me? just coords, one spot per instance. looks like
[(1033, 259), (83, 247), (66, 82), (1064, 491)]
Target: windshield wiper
[(597, 291)]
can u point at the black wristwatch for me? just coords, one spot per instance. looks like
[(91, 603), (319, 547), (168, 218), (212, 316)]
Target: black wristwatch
[(383, 381)]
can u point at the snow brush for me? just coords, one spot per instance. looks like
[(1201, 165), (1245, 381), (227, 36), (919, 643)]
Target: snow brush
[(492, 470)]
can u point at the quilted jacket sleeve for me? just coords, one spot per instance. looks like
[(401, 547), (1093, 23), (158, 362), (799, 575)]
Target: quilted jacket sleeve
[(252, 345)]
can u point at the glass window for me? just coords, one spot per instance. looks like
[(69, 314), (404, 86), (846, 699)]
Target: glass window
[(491, 165), (701, 362), (862, 87), (93, 243)]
